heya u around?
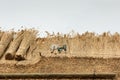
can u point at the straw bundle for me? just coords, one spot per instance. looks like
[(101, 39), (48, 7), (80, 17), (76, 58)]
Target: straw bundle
[(5, 40), (1, 33), (33, 46), (14, 46), (29, 36)]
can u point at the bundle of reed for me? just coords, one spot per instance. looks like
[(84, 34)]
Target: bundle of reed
[(14, 46), (1, 33), (34, 54), (33, 46), (28, 37), (5, 41)]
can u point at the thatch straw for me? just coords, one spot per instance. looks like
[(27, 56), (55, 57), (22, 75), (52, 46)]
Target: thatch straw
[(29, 36), (5, 41), (1, 33), (33, 46), (14, 46)]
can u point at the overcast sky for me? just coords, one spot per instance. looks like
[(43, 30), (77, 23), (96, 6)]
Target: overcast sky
[(61, 15)]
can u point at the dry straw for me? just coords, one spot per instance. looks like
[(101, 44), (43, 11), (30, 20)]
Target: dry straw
[(1, 33), (5, 41), (14, 46), (29, 36), (25, 43)]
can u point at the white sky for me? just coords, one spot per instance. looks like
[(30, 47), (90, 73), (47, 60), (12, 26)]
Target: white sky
[(61, 15)]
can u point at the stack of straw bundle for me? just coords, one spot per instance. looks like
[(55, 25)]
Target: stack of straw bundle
[(14, 46), (28, 37), (5, 41)]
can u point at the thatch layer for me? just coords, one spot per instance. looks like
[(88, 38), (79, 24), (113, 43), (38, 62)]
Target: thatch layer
[(24, 45)]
